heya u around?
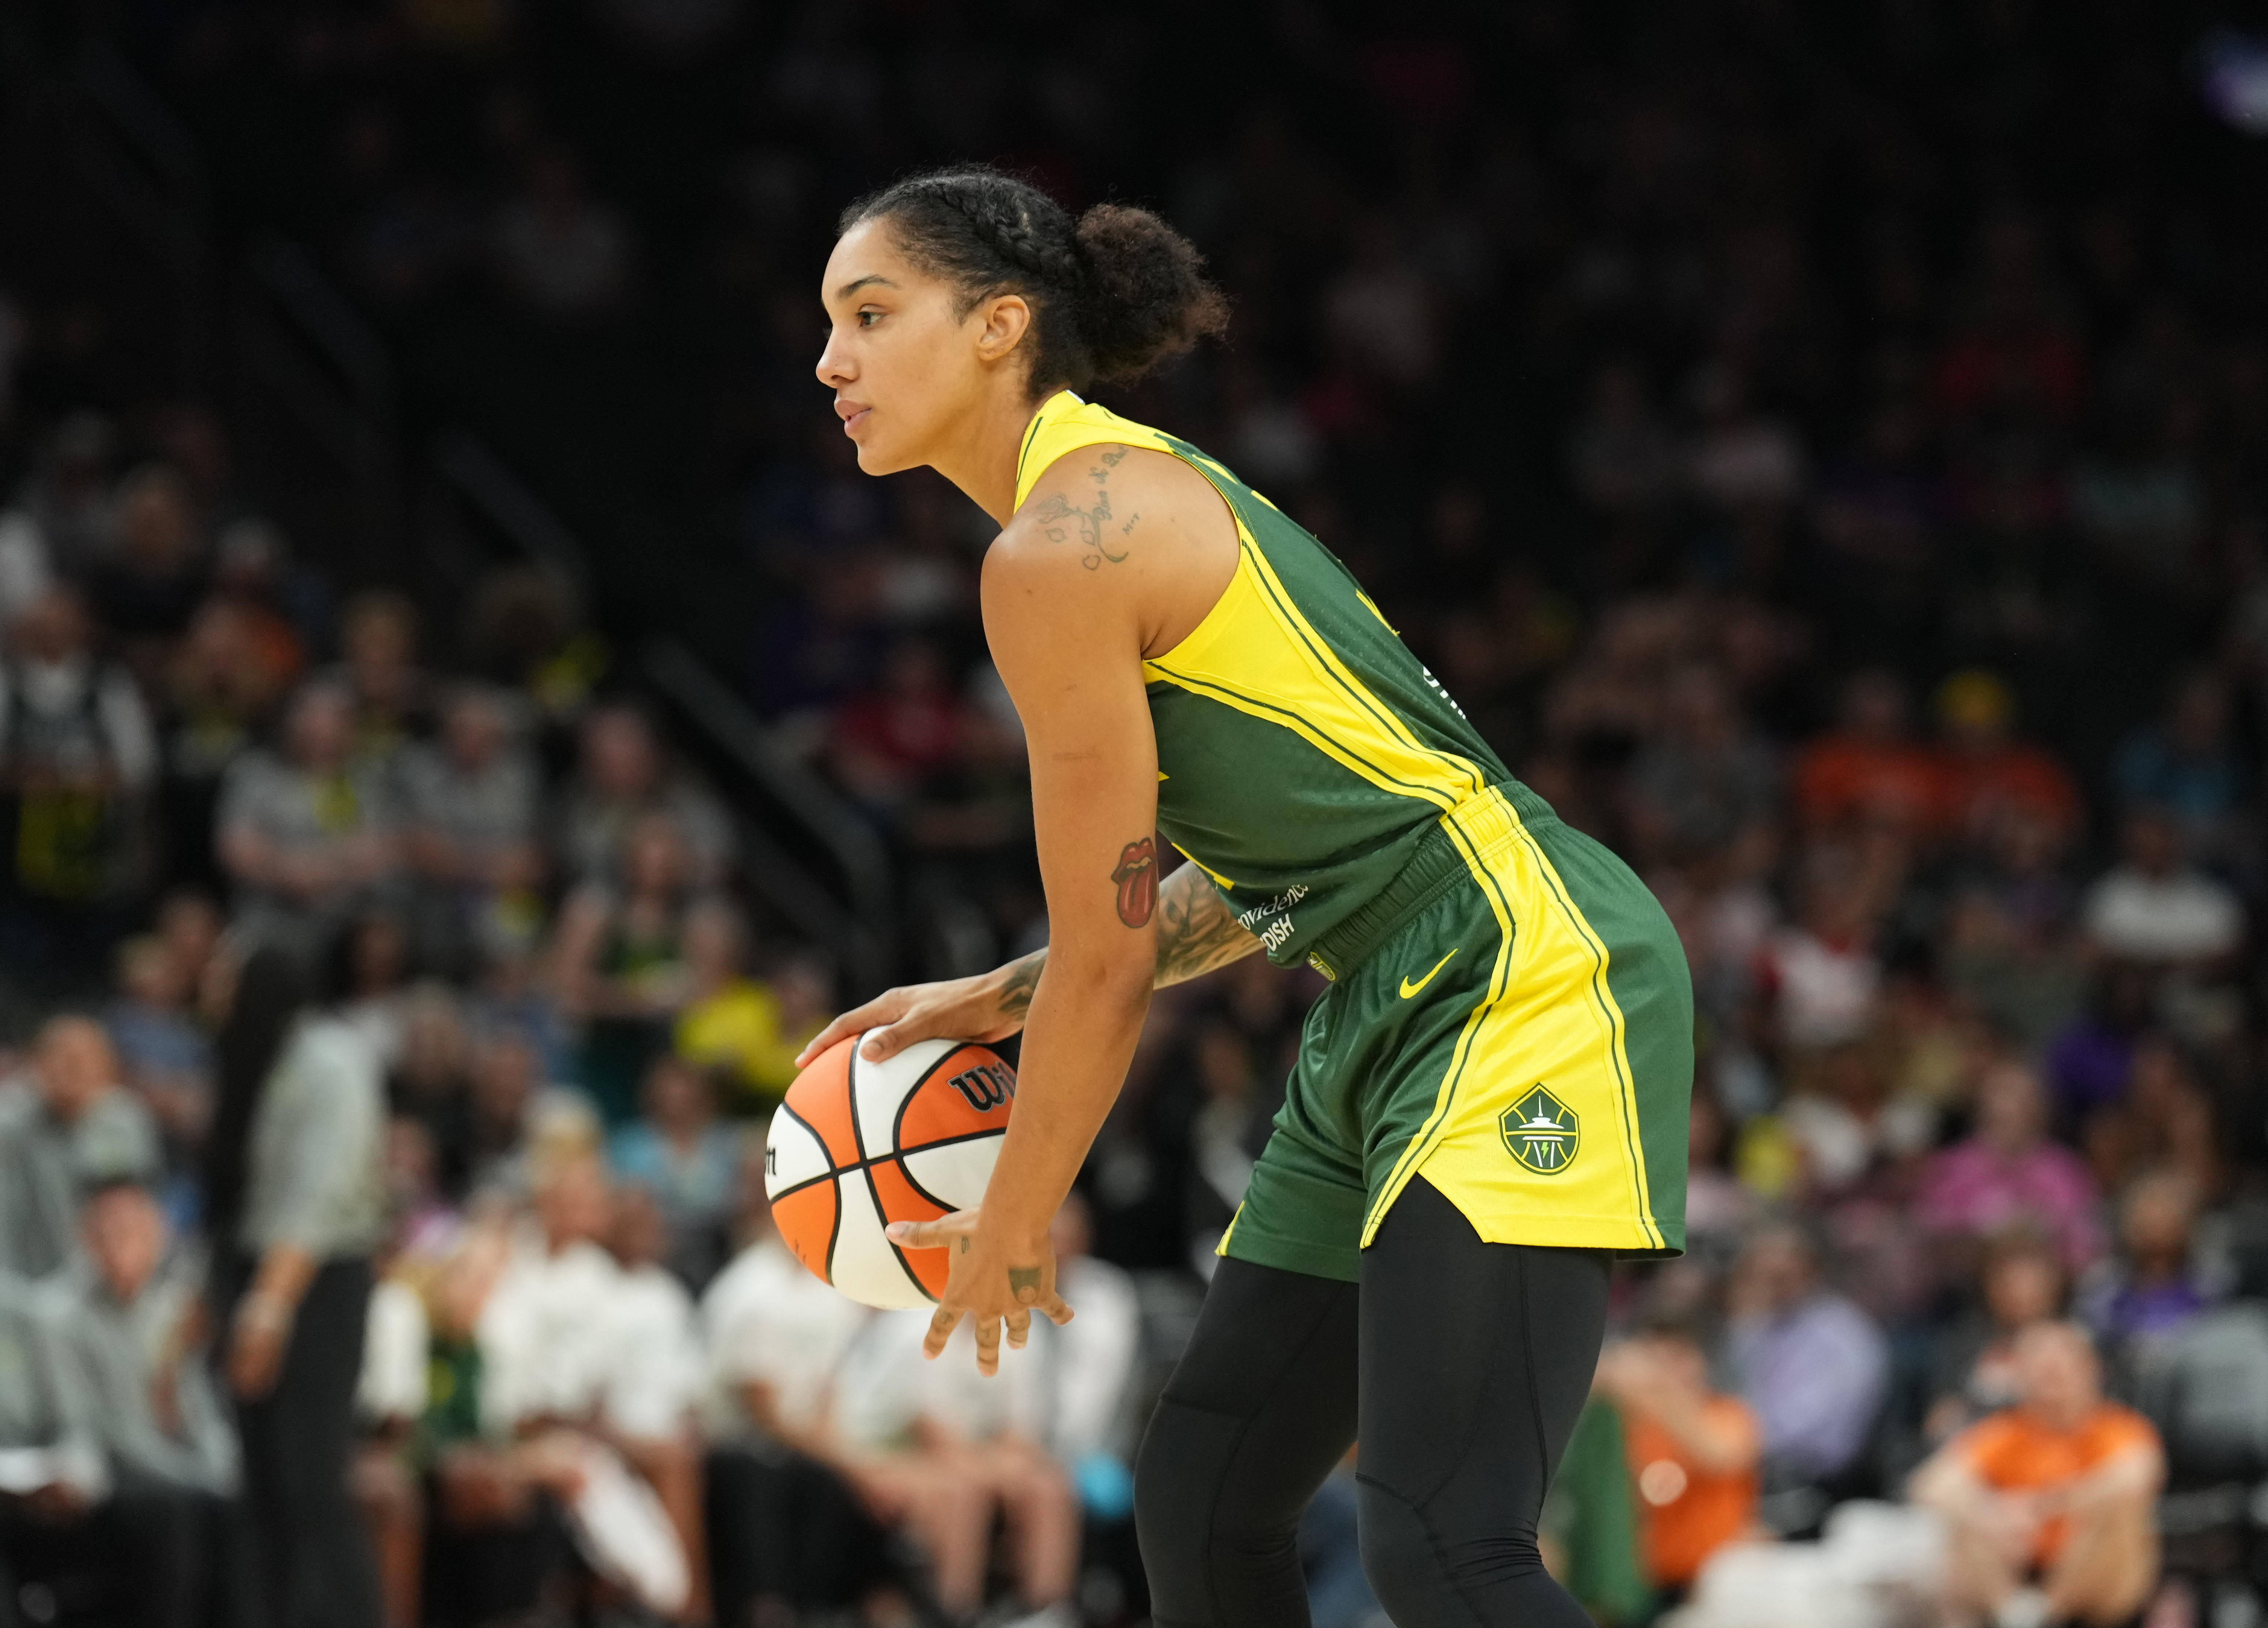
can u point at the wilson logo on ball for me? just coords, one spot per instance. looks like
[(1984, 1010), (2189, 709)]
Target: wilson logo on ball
[(986, 1087)]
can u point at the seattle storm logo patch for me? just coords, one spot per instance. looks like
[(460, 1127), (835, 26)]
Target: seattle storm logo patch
[(1542, 1132)]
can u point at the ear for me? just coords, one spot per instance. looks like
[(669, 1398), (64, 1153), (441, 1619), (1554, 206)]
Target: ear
[(1002, 323)]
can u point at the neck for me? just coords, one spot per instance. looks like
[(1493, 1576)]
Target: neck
[(982, 458)]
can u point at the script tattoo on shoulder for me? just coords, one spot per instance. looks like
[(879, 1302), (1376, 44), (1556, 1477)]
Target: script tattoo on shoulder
[(1094, 527)]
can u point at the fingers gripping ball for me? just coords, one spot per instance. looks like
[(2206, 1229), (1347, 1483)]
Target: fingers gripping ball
[(857, 1144)]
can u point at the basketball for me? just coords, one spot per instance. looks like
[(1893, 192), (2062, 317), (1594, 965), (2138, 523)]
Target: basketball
[(857, 1144)]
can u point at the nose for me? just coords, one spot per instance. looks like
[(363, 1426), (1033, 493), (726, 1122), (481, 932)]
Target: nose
[(834, 370)]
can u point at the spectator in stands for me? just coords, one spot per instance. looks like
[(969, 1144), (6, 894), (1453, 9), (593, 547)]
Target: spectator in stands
[(620, 964), (890, 742), (308, 836), (371, 970), (2164, 1121), (1694, 1453), (2008, 1171), (164, 1058), (2187, 765), (1819, 975), (2155, 908), (2152, 1290), (2023, 1281), (218, 688), (73, 1514), (78, 758), (1868, 769), (733, 1026), (620, 777), (295, 1207), (146, 585), (1985, 771), (471, 805), (429, 1081), (687, 1161), (2047, 1503), (1812, 1366), (1708, 782), (390, 693), (66, 1123), (787, 1530)]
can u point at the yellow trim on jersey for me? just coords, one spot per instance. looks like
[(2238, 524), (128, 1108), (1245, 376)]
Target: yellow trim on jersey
[(1550, 1018), (1218, 880)]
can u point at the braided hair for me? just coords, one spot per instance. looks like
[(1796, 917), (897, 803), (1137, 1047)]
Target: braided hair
[(1113, 293)]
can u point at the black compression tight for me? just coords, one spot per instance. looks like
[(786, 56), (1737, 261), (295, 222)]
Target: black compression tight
[(1462, 1365)]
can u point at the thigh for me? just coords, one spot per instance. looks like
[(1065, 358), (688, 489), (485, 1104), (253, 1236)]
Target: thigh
[(1475, 1360)]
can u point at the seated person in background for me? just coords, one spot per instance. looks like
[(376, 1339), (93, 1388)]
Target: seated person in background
[(2148, 1292), (788, 1532), (734, 1024), (137, 1490), (308, 834), (2156, 908), (619, 963), (2008, 1171), (1812, 1366), (473, 801), (686, 1159), (1868, 769), (1694, 1453), (620, 779), (67, 1123), (164, 1058), (2022, 1283), (2049, 1504)]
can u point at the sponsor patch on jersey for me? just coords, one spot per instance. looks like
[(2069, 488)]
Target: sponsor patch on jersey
[(1540, 1131)]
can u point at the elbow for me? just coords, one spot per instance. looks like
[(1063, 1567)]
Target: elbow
[(1099, 980)]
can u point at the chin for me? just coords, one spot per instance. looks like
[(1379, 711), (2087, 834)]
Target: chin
[(874, 460)]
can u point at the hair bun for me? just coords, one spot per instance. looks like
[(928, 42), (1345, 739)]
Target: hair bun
[(1145, 297)]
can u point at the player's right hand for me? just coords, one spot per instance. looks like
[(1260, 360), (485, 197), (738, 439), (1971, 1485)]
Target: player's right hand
[(987, 1007)]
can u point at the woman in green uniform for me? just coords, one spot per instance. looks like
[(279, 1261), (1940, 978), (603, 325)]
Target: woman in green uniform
[(1489, 1101)]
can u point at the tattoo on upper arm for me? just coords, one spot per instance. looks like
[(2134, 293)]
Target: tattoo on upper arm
[(1137, 877), (1061, 518)]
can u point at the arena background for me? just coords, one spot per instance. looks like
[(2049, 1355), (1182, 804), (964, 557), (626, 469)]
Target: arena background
[(1825, 449)]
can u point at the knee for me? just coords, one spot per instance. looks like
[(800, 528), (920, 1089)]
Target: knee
[(1418, 1570)]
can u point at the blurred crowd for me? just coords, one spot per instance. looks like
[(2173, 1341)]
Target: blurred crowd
[(1827, 455)]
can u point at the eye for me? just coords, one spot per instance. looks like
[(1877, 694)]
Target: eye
[(868, 316)]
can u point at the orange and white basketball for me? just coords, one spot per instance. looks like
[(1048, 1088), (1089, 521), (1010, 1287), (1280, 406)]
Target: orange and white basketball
[(857, 1144)]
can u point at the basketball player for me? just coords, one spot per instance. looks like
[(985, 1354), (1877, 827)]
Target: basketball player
[(1489, 1101)]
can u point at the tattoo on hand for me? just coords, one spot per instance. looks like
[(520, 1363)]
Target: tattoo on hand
[(1023, 1278), (964, 1243), (1061, 517), (1137, 877)]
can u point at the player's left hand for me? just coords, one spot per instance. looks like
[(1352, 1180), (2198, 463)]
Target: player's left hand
[(989, 1282)]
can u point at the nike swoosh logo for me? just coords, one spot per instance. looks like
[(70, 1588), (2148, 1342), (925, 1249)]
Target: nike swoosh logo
[(1410, 989)]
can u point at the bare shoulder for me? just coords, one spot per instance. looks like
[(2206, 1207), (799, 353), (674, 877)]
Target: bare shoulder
[(1106, 502)]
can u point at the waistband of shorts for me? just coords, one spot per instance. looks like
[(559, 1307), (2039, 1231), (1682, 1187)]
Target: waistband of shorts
[(1487, 823)]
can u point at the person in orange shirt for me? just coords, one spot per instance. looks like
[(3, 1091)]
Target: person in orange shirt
[(1985, 776), (1868, 768), (2049, 1504), (1693, 1452)]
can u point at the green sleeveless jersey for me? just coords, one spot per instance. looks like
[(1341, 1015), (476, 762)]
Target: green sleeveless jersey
[(1303, 752)]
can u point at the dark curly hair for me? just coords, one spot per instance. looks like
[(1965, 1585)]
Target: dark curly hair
[(1113, 293)]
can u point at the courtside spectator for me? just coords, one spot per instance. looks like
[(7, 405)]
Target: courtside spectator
[(65, 1124), (1694, 1453), (1811, 1366), (2047, 1503)]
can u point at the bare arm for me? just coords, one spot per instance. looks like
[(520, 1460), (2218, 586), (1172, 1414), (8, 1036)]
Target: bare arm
[(1195, 935)]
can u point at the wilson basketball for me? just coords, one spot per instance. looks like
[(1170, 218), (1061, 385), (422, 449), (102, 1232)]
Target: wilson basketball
[(857, 1144)]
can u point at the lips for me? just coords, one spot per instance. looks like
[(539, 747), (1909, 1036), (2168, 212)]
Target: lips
[(850, 412)]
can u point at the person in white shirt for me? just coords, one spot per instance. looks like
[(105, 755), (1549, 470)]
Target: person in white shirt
[(2153, 907), (790, 1533)]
